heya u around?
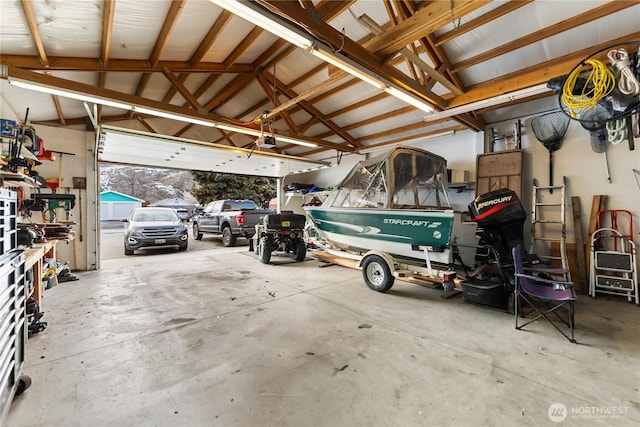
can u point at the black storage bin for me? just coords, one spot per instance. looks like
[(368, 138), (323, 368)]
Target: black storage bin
[(491, 294)]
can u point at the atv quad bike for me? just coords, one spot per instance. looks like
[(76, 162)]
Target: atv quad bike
[(281, 232)]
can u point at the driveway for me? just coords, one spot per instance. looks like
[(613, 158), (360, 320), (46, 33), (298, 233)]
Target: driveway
[(112, 244)]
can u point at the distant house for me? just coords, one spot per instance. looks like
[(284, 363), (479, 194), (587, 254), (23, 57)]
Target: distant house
[(115, 206)]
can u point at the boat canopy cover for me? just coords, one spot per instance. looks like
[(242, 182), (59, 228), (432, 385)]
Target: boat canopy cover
[(403, 178)]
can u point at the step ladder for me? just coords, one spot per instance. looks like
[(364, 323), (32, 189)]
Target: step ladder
[(613, 258), (548, 224)]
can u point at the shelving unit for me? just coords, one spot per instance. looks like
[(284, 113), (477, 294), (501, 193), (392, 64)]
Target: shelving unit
[(13, 306), (8, 220), (463, 186)]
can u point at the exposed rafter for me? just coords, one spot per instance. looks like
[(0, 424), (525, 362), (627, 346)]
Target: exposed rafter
[(583, 18)]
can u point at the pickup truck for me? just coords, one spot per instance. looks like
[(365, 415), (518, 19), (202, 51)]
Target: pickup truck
[(228, 218)]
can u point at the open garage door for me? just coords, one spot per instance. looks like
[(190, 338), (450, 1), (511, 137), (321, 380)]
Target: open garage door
[(124, 146)]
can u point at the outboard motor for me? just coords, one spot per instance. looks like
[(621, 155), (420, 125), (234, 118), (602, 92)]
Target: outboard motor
[(501, 216)]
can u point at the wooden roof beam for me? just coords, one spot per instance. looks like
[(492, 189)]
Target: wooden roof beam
[(532, 76), (560, 27), (193, 102), (207, 42), (316, 113), (427, 20), (63, 63), (165, 32), (75, 86), (412, 57), (56, 101), (35, 33), (293, 129), (353, 50), (480, 21)]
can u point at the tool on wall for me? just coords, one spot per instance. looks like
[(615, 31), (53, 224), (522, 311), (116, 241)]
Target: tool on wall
[(594, 120), (80, 183), (516, 136), (550, 129), (58, 183)]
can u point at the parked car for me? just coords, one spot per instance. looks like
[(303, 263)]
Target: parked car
[(154, 227), (229, 218), (184, 214)]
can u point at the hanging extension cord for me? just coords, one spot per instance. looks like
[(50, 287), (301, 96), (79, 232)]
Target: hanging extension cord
[(628, 83), (616, 131), (600, 77)]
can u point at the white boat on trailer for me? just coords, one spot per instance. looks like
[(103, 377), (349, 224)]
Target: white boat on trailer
[(392, 212)]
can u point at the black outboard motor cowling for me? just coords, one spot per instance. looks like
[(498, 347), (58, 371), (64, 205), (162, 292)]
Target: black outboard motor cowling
[(501, 216)]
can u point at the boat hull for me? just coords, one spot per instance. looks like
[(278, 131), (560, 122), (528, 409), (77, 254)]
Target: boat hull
[(398, 232)]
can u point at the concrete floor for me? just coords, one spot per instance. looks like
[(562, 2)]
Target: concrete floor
[(213, 337)]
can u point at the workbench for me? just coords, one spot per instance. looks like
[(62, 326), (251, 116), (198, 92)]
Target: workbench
[(35, 257)]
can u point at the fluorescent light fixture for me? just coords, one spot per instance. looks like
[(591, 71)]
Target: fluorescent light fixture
[(409, 99), (107, 102), (294, 141), (166, 115), (250, 12), (68, 94), (239, 129), (345, 65), (489, 102), (248, 131)]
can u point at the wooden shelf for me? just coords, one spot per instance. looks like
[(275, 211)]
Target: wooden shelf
[(463, 186), (14, 179)]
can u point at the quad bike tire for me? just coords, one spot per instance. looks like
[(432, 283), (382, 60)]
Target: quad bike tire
[(300, 250), (265, 250)]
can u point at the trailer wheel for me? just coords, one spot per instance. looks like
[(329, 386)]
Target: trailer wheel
[(300, 249), (377, 274), (228, 238)]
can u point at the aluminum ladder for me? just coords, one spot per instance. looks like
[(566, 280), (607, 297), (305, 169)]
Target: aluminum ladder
[(548, 223)]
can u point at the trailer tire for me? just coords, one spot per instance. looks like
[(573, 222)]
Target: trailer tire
[(265, 249), (377, 274), (300, 250)]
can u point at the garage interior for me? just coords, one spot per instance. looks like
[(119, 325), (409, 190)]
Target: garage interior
[(303, 91)]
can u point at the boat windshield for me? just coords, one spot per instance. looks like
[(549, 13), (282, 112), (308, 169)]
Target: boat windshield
[(402, 179)]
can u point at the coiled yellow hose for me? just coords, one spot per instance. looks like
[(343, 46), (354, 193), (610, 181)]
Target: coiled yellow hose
[(600, 77)]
